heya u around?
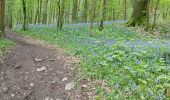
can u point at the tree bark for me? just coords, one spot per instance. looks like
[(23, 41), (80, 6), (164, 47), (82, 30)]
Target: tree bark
[(154, 21), (40, 11), (74, 11), (125, 9), (2, 14), (61, 11), (24, 13), (92, 16), (139, 15), (85, 12), (103, 16), (44, 21), (37, 12)]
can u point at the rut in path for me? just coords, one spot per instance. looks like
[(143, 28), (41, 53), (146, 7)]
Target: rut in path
[(33, 72)]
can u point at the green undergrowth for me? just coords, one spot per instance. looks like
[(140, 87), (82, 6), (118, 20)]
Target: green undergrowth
[(5, 45), (135, 67)]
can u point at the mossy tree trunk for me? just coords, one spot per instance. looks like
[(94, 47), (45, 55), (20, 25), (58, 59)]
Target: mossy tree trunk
[(2, 14), (139, 15)]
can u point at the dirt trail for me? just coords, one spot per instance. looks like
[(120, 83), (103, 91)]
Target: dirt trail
[(36, 71)]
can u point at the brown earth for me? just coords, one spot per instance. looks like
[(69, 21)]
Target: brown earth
[(21, 76)]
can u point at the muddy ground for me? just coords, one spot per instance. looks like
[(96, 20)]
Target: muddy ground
[(34, 70)]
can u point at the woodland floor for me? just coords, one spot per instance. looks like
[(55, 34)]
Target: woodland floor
[(34, 70)]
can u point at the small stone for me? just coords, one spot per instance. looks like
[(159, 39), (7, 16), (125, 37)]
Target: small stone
[(47, 98), (84, 86), (51, 59), (65, 79), (58, 99), (12, 95), (5, 89), (41, 69), (53, 82), (69, 86), (38, 60), (17, 66), (51, 98), (31, 84)]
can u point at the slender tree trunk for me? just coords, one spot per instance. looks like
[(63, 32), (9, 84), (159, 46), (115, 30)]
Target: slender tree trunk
[(37, 12), (24, 13), (125, 9), (8, 16), (44, 21), (148, 19), (61, 11), (92, 16), (154, 21), (103, 16), (62, 14), (85, 12), (74, 11), (2, 14), (40, 12)]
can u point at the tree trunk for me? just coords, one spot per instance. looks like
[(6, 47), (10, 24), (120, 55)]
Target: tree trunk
[(154, 21), (139, 15), (85, 12), (2, 14), (8, 14), (125, 9), (92, 16), (40, 11), (44, 21), (147, 16), (37, 12), (61, 10), (74, 11), (103, 16), (24, 13)]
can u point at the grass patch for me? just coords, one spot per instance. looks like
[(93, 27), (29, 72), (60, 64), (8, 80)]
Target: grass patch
[(133, 66), (5, 44)]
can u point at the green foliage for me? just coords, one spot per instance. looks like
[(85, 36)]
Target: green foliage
[(133, 66), (4, 46)]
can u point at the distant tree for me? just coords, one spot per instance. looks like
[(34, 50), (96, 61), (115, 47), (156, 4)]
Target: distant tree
[(2, 14), (92, 17), (139, 15), (155, 15), (74, 11), (9, 14), (61, 10), (44, 20), (125, 9), (85, 11), (24, 13), (103, 16)]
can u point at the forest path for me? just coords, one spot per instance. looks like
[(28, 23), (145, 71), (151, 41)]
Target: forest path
[(34, 70)]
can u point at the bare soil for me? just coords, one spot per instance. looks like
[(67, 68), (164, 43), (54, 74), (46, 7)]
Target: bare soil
[(20, 80)]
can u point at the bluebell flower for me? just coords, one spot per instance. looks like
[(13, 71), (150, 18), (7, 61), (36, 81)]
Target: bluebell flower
[(117, 85), (157, 81)]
